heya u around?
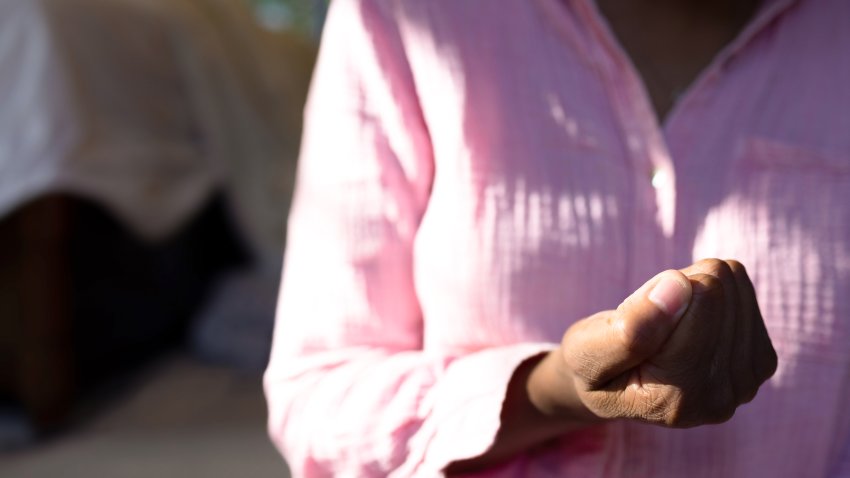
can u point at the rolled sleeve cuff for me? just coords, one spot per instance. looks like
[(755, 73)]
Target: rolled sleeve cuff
[(465, 415)]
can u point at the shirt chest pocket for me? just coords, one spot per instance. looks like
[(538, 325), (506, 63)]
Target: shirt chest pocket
[(794, 202)]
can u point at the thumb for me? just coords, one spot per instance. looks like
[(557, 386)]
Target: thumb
[(610, 343)]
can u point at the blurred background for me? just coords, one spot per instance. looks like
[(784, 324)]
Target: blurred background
[(147, 158)]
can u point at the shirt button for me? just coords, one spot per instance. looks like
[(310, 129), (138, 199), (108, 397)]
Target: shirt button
[(659, 178)]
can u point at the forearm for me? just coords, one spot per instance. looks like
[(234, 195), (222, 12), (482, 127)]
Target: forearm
[(406, 410), (35, 351), (530, 415)]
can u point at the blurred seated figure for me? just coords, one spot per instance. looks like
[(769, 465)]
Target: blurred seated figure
[(133, 136)]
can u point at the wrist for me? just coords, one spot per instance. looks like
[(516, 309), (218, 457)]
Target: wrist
[(552, 390)]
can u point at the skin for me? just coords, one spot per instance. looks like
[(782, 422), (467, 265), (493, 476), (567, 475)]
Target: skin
[(36, 354), (660, 365), (689, 362), (671, 41)]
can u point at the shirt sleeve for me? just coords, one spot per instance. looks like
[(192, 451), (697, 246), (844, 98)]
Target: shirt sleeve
[(351, 391)]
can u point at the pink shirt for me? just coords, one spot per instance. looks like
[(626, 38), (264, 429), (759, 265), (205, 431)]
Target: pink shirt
[(478, 175)]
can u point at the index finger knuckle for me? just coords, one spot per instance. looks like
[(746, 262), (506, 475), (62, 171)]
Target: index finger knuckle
[(717, 267)]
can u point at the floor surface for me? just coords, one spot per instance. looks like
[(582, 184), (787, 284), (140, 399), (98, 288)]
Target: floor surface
[(181, 418)]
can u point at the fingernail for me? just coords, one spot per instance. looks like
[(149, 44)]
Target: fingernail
[(669, 296)]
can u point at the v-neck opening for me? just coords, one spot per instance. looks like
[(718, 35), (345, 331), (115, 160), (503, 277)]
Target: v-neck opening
[(766, 12), (645, 135)]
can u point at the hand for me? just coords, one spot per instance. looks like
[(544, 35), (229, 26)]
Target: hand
[(686, 349)]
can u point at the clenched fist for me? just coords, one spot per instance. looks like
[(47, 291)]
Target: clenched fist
[(686, 349)]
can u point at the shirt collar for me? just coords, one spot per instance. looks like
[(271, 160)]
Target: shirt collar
[(768, 11)]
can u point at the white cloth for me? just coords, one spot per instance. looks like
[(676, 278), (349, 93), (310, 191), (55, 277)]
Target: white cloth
[(144, 106), (96, 103)]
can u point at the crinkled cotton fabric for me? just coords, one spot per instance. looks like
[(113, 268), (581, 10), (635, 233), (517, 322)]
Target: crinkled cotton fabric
[(476, 176)]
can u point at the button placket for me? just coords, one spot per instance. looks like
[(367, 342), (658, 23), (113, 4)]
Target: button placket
[(645, 149)]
